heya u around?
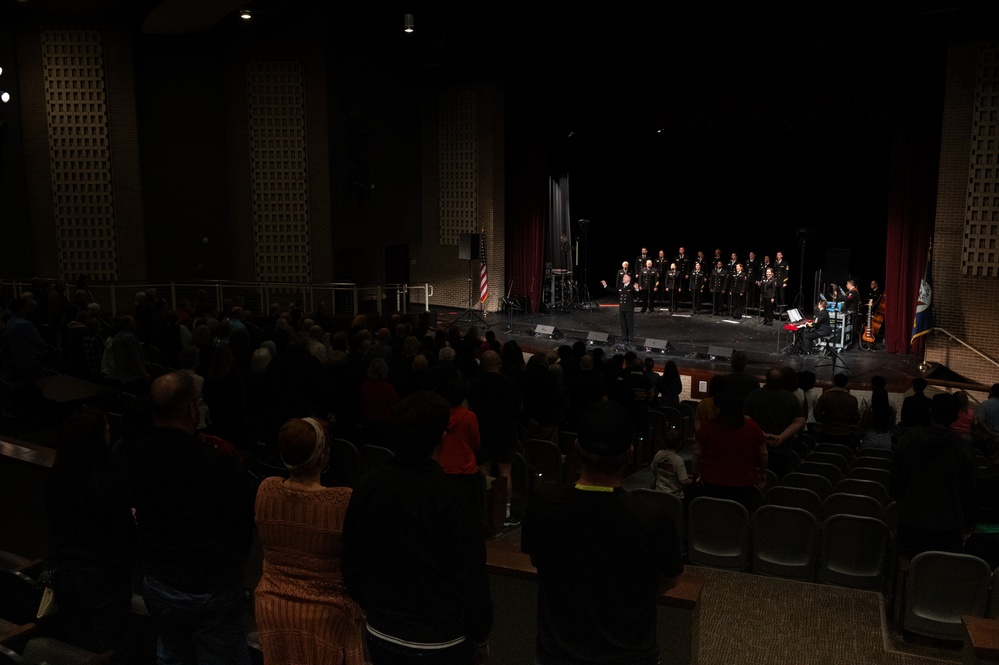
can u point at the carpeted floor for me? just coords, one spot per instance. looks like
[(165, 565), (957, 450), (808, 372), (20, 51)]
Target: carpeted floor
[(755, 620)]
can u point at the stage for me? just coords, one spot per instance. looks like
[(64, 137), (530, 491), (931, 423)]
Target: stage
[(696, 343)]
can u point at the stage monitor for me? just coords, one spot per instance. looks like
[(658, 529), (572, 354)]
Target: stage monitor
[(594, 337), (660, 345), (720, 352)]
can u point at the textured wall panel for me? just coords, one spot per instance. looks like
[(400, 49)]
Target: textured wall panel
[(279, 178), (981, 231), (80, 152), (458, 165)]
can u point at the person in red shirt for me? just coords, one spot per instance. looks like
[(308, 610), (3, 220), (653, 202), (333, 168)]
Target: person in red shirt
[(461, 443)]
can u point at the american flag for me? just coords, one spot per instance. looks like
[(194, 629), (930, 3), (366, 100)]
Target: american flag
[(483, 278)]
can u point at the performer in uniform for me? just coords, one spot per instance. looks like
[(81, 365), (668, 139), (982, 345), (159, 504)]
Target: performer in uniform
[(851, 298), (683, 265), (669, 286), (768, 292), (718, 288), (626, 306), (621, 273), (648, 279), (781, 272), (737, 291), (732, 262), (874, 293), (753, 277), (818, 328), (662, 265), (697, 281), (642, 258)]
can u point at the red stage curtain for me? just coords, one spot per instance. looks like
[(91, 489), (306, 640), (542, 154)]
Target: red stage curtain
[(526, 214)]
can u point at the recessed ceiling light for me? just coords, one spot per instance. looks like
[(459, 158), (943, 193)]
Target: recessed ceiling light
[(407, 22), (4, 96), (245, 14)]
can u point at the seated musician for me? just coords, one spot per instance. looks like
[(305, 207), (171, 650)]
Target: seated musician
[(820, 327)]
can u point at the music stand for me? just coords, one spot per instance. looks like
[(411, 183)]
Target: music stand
[(587, 302), (510, 305)]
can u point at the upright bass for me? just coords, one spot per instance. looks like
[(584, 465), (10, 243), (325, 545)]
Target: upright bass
[(875, 319)]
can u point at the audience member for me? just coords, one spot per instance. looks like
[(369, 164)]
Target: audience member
[(431, 596), (194, 512), (303, 612), (669, 474), (916, 407), (26, 345), (461, 444), (988, 412), (806, 381), (739, 381), (837, 412), (933, 480), (780, 416), (877, 425), (496, 400), (965, 422), (706, 408), (91, 536), (602, 554), (730, 456)]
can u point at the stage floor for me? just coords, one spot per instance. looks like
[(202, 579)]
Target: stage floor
[(690, 340)]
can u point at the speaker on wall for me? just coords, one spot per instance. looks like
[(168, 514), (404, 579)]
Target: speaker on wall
[(837, 268), (468, 246)]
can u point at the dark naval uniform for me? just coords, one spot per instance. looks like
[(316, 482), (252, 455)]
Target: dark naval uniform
[(697, 280), (669, 286), (818, 328), (648, 280), (768, 287), (781, 272), (662, 266), (685, 267), (718, 288), (753, 275), (738, 283), (627, 297)]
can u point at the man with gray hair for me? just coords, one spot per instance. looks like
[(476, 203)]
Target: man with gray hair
[(194, 513)]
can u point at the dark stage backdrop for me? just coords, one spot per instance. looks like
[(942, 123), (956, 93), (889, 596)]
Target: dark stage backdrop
[(736, 189)]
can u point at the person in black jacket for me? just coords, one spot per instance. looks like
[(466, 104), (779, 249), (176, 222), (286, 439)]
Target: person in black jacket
[(414, 555)]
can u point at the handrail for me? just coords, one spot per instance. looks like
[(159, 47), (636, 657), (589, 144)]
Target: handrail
[(263, 290), (965, 344)]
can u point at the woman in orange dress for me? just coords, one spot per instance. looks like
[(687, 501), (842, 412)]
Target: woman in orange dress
[(303, 612)]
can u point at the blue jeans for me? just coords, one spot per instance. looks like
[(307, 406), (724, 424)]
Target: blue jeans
[(198, 629)]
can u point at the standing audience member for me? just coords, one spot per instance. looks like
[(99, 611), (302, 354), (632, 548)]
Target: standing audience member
[(965, 422), (877, 425), (25, 343), (496, 400), (603, 555), (806, 381), (92, 536), (194, 512), (780, 416), (739, 381), (420, 575), (461, 443), (303, 612), (933, 480), (731, 457), (988, 412), (916, 407)]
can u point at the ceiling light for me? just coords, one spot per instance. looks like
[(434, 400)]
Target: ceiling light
[(245, 14), (4, 96), (407, 22)]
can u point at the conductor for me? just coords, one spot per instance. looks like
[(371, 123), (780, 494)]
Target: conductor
[(627, 294)]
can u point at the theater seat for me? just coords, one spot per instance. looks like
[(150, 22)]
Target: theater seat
[(718, 533), (942, 587)]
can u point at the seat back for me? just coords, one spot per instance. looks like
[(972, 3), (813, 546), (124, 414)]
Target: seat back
[(773, 480), (672, 504), (545, 459), (795, 497), (855, 552), (346, 465), (880, 476), (19, 597), (375, 456), (864, 487), (871, 462), (785, 542), (839, 461), (836, 448), (943, 587), (884, 453), (830, 472), (818, 484), (852, 504), (718, 533)]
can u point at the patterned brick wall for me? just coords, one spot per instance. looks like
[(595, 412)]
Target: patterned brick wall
[(966, 288), (463, 192)]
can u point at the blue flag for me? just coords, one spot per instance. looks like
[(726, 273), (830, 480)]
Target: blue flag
[(923, 320)]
